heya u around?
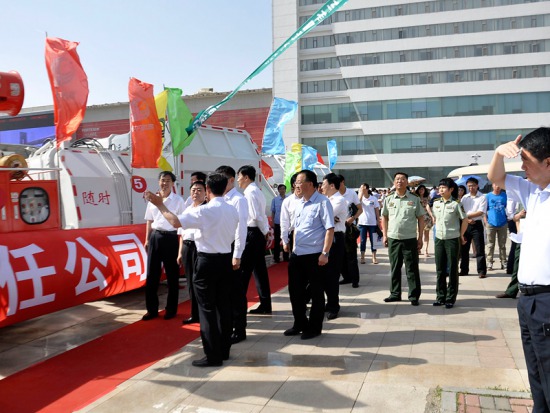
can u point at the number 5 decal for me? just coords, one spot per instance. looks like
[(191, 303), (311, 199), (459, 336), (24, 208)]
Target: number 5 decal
[(139, 184)]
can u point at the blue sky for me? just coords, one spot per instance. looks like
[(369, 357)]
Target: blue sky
[(188, 44)]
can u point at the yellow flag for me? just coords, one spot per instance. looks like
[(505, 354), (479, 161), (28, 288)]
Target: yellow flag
[(296, 147), (161, 103)]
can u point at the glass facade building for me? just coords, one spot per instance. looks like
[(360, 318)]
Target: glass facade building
[(418, 86)]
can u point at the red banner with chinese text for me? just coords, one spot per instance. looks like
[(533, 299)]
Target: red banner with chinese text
[(69, 85), (144, 125), (63, 268)]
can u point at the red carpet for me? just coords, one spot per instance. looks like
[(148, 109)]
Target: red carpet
[(76, 378)]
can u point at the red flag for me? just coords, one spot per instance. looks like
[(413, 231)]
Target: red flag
[(69, 86), (320, 158), (144, 125), (266, 169)]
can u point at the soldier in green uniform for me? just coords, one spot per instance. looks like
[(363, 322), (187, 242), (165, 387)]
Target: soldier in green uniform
[(403, 228), (451, 224)]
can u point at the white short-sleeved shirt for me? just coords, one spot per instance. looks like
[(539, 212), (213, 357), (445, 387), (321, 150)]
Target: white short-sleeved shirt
[(174, 203), (256, 208), (235, 198), (288, 209), (340, 211), (534, 265), (217, 222), (351, 196), (368, 217), (474, 204)]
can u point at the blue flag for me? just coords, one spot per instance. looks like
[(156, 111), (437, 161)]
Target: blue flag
[(332, 153), (309, 157), (281, 112)]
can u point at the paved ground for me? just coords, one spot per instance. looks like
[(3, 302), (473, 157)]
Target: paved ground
[(375, 357)]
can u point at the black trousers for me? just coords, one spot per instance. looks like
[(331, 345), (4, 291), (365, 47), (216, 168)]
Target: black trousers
[(350, 265), (533, 311), (277, 244), (304, 270), (212, 281), (332, 286), (189, 260), (163, 250), (446, 265), (252, 261), (474, 234)]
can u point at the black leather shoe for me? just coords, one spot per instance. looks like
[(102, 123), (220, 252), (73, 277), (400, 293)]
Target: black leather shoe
[(292, 332), (391, 299), (169, 316), (344, 282), (204, 362), (332, 316), (438, 304), (260, 310), (415, 303), (237, 337), (310, 334), (482, 275), (355, 285), (149, 316), (190, 320), (449, 305)]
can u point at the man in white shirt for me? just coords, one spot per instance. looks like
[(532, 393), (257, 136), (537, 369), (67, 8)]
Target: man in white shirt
[(534, 265), (161, 244), (350, 265), (288, 209), (331, 186), (187, 255), (217, 222), (475, 205), (253, 259), (238, 293), (195, 176), (276, 205)]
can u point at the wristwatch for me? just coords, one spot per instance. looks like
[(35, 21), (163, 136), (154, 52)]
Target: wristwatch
[(325, 253)]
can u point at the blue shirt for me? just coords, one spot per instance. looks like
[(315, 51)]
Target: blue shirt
[(496, 209), (276, 204), (312, 220)]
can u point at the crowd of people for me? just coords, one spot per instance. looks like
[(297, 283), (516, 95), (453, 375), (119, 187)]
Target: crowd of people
[(223, 239)]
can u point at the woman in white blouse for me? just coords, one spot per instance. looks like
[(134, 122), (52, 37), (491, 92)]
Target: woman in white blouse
[(368, 220)]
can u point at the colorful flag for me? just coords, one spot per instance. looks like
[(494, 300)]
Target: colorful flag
[(161, 103), (280, 113), (144, 125), (325, 11), (332, 153), (180, 119), (69, 85), (293, 164)]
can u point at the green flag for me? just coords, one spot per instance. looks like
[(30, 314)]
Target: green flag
[(293, 164), (324, 12), (180, 119)]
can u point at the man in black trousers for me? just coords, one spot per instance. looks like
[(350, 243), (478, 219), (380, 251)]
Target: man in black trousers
[(217, 222)]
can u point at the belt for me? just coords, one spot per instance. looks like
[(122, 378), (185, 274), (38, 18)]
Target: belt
[(213, 254), (534, 289), (188, 242), (166, 232)]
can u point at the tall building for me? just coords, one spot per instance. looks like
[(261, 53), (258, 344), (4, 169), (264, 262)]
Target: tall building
[(418, 86)]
